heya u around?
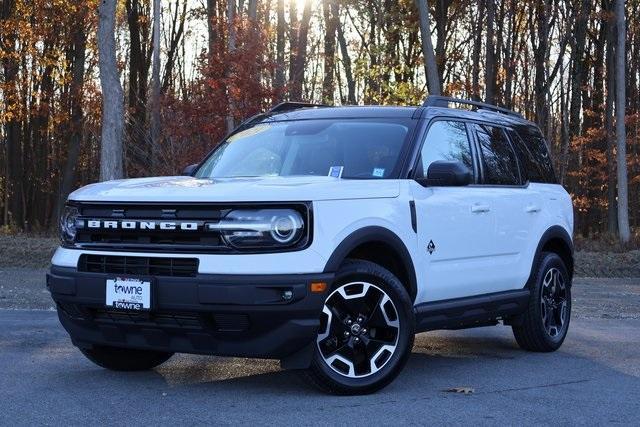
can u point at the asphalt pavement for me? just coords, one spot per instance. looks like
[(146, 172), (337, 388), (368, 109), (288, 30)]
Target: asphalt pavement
[(593, 379)]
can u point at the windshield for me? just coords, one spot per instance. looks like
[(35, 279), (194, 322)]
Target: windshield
[(351, 148)]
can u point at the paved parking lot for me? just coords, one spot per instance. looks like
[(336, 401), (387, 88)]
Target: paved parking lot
[(593, 379)]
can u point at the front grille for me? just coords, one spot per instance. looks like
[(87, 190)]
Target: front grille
[(139, 266), (200, 240), (153, 239)]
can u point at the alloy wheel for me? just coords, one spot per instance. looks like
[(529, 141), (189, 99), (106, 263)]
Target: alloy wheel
[(359, 330), (553, 303)]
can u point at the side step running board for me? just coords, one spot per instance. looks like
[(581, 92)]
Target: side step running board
[(472, 311)]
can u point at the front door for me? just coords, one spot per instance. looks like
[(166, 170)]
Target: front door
[(456, 225)]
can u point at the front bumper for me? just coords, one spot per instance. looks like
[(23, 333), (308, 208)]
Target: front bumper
[(226, 315)]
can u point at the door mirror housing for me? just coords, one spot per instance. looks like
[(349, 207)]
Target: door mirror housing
[(443, 173), (189, 170)]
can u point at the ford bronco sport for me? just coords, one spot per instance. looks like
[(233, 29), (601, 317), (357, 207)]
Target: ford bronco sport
[(326, 238)]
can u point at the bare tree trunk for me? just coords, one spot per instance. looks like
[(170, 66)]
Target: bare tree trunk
[(577, 72), (330, 12), (112, 101), (14, 157), (177, 31), (509, 58), (490, 68), (297, 79), (565, 137), (294, 28), (280, 41), (612, 208), (542, 13), (211, 28), (372, 79), (231, 47), (155, 89), (346, 63), (430, 64), (137, 146), (252, 11), (441, 26), (477, 47), (77, 115), (621, 134)]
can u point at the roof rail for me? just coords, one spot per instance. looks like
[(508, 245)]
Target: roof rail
[(279, 108), (444, 101), (290, 106)]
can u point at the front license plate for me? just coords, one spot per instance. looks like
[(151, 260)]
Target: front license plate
[(128, 294)]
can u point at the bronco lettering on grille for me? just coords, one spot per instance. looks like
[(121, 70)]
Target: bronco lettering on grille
[(144, 225)]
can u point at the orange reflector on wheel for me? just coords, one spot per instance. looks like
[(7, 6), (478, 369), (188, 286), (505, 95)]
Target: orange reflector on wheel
[(318, 287)]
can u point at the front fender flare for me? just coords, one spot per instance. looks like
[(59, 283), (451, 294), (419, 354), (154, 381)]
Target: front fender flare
[(373, 234)]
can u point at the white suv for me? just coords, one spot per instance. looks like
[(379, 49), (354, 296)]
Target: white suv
[(326, 238)]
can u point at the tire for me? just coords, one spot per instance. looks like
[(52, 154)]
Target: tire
[(545, 324), (125, 359), (367, 318)]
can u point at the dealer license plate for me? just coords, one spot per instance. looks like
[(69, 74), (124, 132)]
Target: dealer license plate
[(128, 294)]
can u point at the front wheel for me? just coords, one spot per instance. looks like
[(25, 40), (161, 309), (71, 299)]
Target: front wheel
[(125, 359), (366, 331), (545, 323)]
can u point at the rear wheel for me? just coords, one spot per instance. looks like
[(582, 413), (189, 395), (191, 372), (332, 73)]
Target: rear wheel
[(366, 331), (125, 359), (546, 321)]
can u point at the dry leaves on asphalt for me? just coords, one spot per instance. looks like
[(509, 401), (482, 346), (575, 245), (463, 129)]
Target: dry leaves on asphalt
[(461, 390)]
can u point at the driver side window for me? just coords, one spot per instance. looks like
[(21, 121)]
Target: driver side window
[(446, 140)]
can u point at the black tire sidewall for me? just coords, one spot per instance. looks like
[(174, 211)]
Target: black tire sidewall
[(547, 262), (354, 271)]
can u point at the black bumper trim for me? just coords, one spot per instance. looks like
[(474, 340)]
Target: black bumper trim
[(226, 315)]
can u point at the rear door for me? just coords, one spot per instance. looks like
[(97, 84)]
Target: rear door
[(515, 205)]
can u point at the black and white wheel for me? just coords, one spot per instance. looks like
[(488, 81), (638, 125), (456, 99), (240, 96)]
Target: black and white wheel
[(546, 321), (125, 359), (366, 331)]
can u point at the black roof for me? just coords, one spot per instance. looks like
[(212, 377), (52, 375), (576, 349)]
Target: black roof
[(349, 111), (433, 106), (483, 115)]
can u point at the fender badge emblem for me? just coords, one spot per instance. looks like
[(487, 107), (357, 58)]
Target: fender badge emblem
[(431, 247)]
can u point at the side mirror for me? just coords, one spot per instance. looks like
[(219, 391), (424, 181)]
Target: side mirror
[(189, 170), (444, 173)]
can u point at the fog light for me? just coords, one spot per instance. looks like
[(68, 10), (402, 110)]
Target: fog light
[(287, 295), (69, 223)]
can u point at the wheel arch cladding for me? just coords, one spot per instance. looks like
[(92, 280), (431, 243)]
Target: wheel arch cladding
[(379, 245), (556, 240)]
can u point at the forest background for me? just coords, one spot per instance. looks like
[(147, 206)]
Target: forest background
[(178, 75)]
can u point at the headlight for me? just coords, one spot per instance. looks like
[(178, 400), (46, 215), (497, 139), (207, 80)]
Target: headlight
[(261, 228), (68, 224)]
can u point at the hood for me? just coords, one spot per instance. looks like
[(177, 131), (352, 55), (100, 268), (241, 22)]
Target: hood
[(262, 189)]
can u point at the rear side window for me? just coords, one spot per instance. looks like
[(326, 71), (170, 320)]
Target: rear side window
[(533, 154), (446, 140), (499, 161)]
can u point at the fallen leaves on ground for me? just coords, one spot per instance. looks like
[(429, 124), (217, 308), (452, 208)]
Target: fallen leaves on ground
[(461, 390)]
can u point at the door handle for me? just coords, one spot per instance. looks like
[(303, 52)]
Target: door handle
[(478, 208), (532, 209)]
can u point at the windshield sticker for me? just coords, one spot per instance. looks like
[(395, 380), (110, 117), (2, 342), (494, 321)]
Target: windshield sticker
[(336, 171), (378, 172)]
